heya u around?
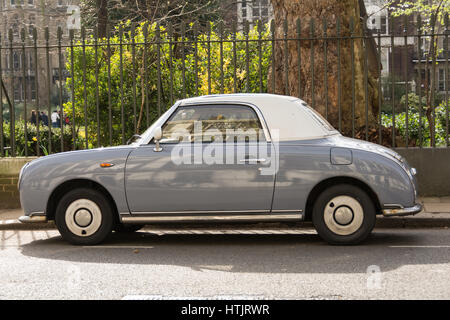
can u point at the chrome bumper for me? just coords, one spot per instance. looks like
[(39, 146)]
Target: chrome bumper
[(33, 219), (402, 211)]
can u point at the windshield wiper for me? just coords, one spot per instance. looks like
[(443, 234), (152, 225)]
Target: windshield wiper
[(134, 136)]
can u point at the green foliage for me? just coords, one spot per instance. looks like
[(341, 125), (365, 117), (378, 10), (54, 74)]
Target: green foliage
[(416, 123), (31, 139), (426, 8), (130, 63)]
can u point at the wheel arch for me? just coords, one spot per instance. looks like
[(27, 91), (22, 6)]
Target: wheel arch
[(66, 186), (324, 184)]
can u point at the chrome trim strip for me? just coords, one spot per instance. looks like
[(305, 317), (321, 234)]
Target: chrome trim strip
[(198, 212), (33, 219), (211, 218), (402, 211), (287, 210)]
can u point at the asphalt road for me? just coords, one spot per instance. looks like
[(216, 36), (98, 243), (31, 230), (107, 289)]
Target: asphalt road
[(393, 263)]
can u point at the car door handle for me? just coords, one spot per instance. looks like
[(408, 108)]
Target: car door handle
[(260, 160)]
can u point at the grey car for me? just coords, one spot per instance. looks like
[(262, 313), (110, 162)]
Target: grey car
[(223, 158)]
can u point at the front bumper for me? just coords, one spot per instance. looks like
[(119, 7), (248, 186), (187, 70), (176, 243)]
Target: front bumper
[(33, 219), (391, 212)]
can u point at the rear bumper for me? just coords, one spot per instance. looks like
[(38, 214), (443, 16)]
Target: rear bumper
[(391, 212)]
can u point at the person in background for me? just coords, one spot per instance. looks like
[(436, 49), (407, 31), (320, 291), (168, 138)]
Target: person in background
[(55, 119), (44, 118), (33, 117)]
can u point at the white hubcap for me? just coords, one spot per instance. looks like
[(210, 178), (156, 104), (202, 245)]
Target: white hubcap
[(343, 215), (83, 217)]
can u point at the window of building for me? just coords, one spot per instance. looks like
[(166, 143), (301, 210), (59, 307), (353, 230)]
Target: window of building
[(32, 88), (31, 2), (31, 24), (244, 9), (16, 61), (260, 10), (18, 91), (441, 82)]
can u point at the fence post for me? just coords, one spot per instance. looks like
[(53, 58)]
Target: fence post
[(391, 23), (147, 111), (419, 67), (183, 57), (311, 35), (233, 35), (60, 76), (122, 107), (325, 58), (208, 44), (24, 89), (196, 56), (352, 50), (299, 57), (366, 78), (83, 43), (338, 34), (286, 57), (380, 95), (446, 80), (72, 71), (133, 62), (170, 35), (405, 76), (108, 54), (2, 143), (97, 99), (272, 29), (12, 112), (158, 65), (221, 56)]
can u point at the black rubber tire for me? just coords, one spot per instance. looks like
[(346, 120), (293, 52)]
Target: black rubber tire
[(127, 228), (107, 223), (369, 215)]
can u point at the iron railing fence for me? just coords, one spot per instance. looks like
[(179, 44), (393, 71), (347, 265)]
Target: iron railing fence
[(113, 87)]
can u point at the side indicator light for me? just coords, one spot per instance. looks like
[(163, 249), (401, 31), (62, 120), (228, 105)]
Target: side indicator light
[(106, 165)]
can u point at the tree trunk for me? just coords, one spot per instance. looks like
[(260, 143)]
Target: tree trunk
[(102, 17), (312, 81)]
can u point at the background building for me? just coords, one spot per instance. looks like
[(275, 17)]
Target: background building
[(23, 16)]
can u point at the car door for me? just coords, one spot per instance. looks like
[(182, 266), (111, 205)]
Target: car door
[(188, 176)]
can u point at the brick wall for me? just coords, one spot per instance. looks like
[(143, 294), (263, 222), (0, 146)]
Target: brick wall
[(9, 195), (9, 176)]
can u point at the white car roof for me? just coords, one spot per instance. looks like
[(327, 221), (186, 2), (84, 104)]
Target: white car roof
[(288, 116)]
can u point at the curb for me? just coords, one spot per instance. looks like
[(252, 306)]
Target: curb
[(389, 223)]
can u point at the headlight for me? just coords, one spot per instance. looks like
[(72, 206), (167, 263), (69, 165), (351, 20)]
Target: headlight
[(413, 171)]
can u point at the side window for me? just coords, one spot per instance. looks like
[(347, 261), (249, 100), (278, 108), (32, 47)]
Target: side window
[(213, 123)]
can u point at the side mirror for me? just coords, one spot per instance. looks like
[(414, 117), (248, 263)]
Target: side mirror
[(157, 136)]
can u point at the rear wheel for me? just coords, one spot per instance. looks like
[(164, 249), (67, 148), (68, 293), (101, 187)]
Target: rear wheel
[(344, 214), (84, 217)]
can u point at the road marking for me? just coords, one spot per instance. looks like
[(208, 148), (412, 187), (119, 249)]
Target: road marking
[(120, 247), (444, 246), (10, 221)]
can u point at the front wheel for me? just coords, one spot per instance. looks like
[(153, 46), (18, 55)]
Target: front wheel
[(344, 214), (84, 217)]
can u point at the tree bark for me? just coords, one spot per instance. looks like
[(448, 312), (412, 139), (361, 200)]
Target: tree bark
[(102, 17), (312, 80)]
